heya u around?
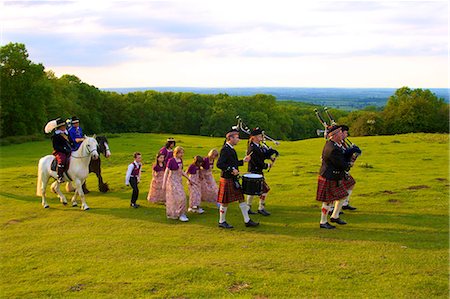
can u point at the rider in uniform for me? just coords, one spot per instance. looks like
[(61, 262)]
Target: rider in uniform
[(76, 133)]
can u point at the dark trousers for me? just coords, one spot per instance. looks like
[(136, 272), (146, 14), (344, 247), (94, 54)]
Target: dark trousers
[(134, 185)]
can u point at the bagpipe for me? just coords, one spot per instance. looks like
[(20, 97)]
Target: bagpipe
[(241, 126), (352, 151)]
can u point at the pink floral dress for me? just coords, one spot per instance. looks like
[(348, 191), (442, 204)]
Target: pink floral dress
[(208, 184), (156, 194), (175, 195), (195, 189)]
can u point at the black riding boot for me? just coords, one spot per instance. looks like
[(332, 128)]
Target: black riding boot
[(60, 171)]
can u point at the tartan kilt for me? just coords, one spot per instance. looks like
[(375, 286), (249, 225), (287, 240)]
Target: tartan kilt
[(228, 193), (328, 190), (348, 182)]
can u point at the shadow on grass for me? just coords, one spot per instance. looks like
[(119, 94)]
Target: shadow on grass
[(408, 229)]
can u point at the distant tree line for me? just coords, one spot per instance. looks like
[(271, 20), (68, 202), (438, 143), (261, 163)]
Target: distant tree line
[(30, 97)]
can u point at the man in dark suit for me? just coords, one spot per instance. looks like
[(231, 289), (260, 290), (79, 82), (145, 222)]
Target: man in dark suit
[(257, 165), (229, 187), (331, 189)]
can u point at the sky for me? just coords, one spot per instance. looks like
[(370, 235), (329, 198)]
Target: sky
[(236, 43)]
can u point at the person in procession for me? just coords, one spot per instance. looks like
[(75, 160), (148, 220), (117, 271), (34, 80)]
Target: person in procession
[(167, 149), (208, 183), (331, 190), (62, 148), (229, 187), (133, 177), (195, 192), (257, 165), (76, 133), (350, 181), (173, 186), (156, 193)]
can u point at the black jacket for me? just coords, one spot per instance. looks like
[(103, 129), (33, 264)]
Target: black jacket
[(228, 161), (257, 164), (62, 143), (334, 162)]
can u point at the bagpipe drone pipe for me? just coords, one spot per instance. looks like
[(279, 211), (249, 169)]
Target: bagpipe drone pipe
[(267, 149), (352, 151)]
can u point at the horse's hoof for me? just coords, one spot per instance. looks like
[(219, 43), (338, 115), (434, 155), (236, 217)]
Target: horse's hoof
[(46, 206), (85, 209), (74, 205), (64, 203)]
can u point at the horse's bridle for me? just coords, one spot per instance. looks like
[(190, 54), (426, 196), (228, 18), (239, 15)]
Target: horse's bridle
[(89, 153)]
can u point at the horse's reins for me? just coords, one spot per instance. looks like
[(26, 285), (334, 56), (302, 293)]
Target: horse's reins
[(89, 153)]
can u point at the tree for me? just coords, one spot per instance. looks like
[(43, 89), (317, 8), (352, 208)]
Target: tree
[(415, 111), (23, 89)]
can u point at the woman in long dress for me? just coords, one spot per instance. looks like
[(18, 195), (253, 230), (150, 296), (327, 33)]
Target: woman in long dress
[(208, 183), (173, 184), (156, 193)]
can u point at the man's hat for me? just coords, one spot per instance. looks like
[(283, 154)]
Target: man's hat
[(60, 122), (344, 127), (170, 139), (256, 131), (333, 128), (75, 120), (53, 124)]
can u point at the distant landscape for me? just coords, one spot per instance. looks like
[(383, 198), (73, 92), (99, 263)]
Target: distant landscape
[(340, 98)]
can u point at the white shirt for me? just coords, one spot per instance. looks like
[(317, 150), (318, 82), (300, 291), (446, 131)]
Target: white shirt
[(230, 145), (130, 170)]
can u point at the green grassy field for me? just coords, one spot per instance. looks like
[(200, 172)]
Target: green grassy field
[(394, 246)]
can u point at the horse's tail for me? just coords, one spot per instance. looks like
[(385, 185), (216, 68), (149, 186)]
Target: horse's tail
[(39, 179)]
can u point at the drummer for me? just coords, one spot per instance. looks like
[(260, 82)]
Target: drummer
[(257, 165), (229, 188)]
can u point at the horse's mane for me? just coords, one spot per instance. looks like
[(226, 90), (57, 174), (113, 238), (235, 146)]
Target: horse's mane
[(101, 144)]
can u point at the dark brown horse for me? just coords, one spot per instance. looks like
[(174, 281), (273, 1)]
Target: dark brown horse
[(94, 166)]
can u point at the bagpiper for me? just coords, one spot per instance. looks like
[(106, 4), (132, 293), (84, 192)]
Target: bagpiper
[(229, 187)]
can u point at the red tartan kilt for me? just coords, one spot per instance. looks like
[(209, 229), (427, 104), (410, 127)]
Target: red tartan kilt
[(349, 182), (328, 190), (228, 193)]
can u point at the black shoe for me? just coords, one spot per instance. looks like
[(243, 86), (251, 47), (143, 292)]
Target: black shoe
[(338, 221), (327, 226), (331, 213), (225, 225), (250, 223), (348, 207), (134, 205), (250, 212), (263, 212)]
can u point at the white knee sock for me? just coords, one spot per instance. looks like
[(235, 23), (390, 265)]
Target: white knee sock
[(324, 216), (250, 200), (347, 199), (337, 208), (222, 213), (244, 210), (262, 201)]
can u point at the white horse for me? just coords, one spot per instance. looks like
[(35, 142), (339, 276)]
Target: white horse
[(78, 172)]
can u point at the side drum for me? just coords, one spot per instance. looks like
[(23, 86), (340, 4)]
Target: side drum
[(252, 184)]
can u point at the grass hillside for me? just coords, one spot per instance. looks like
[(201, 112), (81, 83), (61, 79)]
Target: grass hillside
[(394, 246)]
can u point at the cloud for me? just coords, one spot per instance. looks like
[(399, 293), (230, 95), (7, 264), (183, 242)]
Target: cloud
[(228, 35)]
